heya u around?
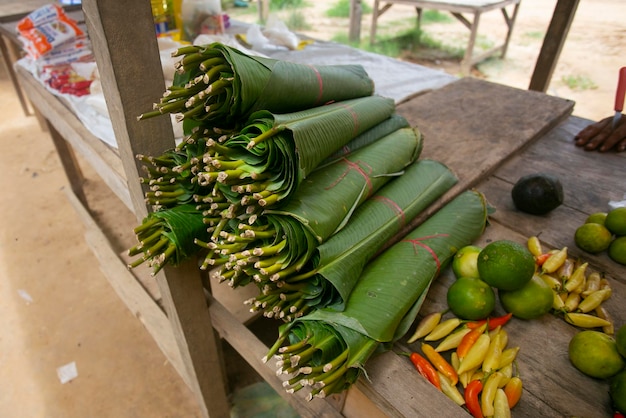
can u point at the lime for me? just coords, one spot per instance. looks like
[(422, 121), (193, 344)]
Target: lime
[(617, 250), (531, 301), (595, 354), (617, 390), (506, 265), (464, 263), (616, 221), (620, 340), (593, 238), (596, 218), (471, 298)]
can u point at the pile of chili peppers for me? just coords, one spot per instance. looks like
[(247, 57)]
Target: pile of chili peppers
[(480, 362)]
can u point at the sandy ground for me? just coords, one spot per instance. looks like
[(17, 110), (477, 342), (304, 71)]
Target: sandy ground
[(57, 308), (592, 54)]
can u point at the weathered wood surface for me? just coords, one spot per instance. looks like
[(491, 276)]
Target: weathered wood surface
[(473, 126), (552, 386)]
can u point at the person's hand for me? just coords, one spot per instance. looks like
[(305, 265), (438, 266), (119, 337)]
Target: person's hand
[(602, 136)]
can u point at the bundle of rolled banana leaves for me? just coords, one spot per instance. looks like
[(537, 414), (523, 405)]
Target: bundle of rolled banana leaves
[(221, 86), (335, 265), (325, 351), (232, 179)]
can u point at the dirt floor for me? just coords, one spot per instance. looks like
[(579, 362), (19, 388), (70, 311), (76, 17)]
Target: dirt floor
[(57, 309)]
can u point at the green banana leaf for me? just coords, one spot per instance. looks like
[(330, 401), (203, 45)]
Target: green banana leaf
[(243, 174), (326, 350), (168, 236), (321, 205), (273, 153), (221, 86)]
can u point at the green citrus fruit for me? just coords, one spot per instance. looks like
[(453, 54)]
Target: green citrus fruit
[(471, 298), (595, 354), (596, 218), (620, 340), (617, 390), (505, 265), (616, 221), (617, 250), (464, 262), (592, 238), (531, 301)]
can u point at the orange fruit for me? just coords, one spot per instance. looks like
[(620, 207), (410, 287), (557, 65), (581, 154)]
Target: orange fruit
[(617, 390), (531, 301), (596, 218), (620, 340), (464, 262), (506, 265), (616, 221), (617, 250), (471, 298), (595, 354), (592, 238)]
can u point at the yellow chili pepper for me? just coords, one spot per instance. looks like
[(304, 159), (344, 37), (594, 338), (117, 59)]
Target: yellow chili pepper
[(555, 261), (494, 353), (508, 356), (604, 283), (534, 246), (604, 314), (501, 405), (443, 329), (594, 300), (476, 354), (558, 304), (565, 271), (450, 390), (585, 320), (553, 282), (507, 374), (577, 280), (425, 326), (453, 340), (592, 284), (572, 301), (489, 393), (440, 363)]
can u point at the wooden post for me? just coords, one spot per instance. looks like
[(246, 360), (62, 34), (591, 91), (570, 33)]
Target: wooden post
[(562, 18), (124, 43)]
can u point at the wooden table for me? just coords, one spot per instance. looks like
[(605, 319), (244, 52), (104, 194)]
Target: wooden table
[(488, 134), (459, 9)]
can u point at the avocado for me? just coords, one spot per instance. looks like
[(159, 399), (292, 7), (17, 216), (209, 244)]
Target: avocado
[(537, 193)]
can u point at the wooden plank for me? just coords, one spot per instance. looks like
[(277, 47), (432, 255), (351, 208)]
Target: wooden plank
[(553, 42), (128, 289), (125, 47), (473, 126), (103, 158), (253, 350)]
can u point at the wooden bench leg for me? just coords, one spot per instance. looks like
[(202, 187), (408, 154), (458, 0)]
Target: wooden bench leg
[(510, 22), (69, 163), (466, 64)]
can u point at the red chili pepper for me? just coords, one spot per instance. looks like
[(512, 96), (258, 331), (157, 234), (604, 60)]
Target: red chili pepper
[(469, 339), (495, 322), (426, 369), (539, 260), (440, 363), (472, 391), (618, 415)]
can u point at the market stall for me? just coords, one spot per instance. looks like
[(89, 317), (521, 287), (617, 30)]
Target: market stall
[(487, 134)]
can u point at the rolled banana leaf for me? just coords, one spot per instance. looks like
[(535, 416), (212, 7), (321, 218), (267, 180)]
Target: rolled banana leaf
[(168, 236), (326, 350), (336, 265), (282, 240), (264, 163), (234, 180), (221, 86)]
